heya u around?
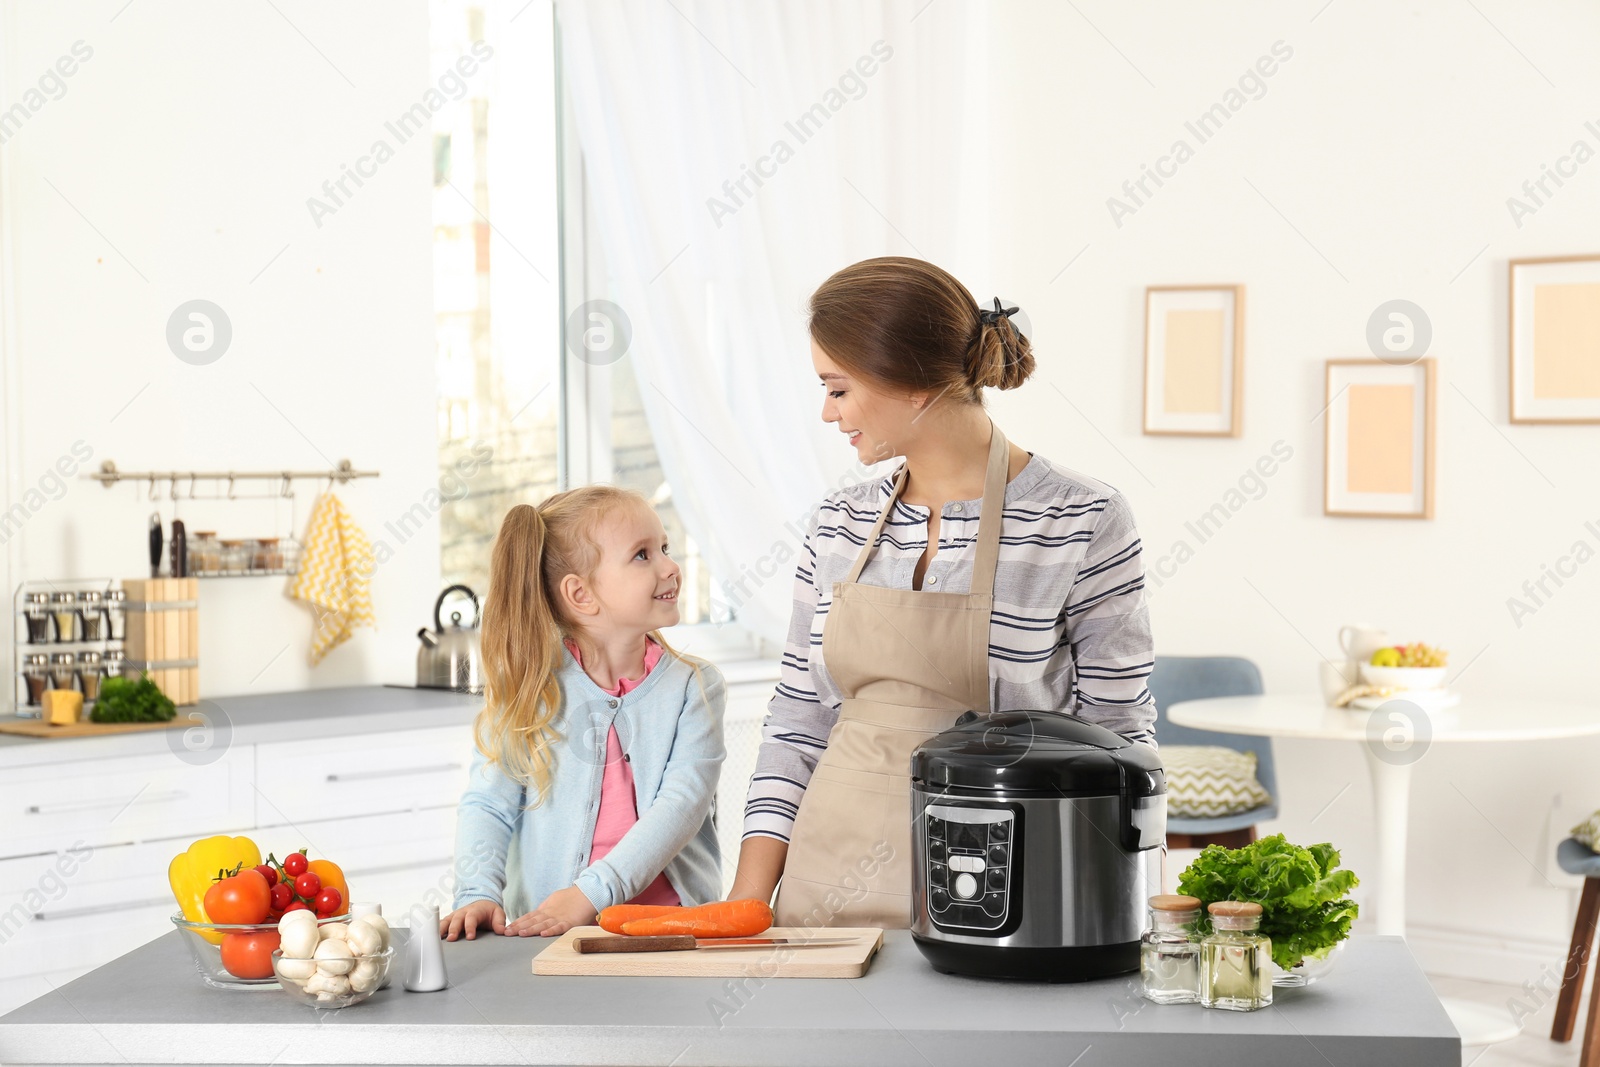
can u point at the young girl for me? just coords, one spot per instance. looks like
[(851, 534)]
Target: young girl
[(599, 747)]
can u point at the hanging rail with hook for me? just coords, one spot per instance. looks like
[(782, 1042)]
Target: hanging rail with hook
[(108, 475)]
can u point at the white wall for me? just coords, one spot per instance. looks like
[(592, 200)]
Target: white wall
[(177, 164), (1390, 139)]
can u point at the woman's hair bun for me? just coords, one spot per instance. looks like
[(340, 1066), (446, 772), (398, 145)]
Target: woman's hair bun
[(1002, 357)]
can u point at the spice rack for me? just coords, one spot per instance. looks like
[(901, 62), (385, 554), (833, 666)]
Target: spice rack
[(84, 619)]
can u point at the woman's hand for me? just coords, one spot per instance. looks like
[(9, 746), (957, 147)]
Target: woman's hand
[(469, 917), (560, 912)]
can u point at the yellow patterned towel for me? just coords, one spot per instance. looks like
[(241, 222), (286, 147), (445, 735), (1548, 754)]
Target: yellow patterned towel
[(335, 576)]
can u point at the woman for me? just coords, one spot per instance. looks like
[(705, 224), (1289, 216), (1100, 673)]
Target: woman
[(977, 576)]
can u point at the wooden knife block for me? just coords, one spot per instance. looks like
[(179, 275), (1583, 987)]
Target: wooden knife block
[(163, 634)]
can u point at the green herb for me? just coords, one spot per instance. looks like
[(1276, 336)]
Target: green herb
[(125, 700), (1304, 907)]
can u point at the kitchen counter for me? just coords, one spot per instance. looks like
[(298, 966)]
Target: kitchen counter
[(149, 1006), (264, 717)]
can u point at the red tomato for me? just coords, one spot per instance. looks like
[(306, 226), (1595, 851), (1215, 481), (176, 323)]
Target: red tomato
[(294, 865), (249, 955), (243, 898), (298, 905), (308, 885), (281, 896), (329, 902)]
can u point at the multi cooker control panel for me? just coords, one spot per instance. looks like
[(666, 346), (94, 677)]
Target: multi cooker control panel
[(969, 865)]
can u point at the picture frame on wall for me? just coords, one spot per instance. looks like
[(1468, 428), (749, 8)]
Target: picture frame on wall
[(1194, 360), (1555, 339), (1379, 436)]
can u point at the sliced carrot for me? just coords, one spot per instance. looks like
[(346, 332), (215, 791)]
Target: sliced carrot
[(721, 918), (612, 918)]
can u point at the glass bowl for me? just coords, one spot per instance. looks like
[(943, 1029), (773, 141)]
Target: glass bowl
[(296, 986), (1308, 971), (206, 942)]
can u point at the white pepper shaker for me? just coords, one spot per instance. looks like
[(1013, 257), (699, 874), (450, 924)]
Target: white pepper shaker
[(424, 951)]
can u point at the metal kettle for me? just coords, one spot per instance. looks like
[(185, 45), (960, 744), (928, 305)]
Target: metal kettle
[(450, 658)]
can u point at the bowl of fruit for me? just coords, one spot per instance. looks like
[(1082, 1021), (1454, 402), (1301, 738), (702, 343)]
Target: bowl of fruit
[(230, 914), (332, 965), (1413, 666)]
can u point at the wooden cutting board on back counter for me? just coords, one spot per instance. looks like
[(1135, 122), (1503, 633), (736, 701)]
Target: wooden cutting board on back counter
[(766, 961)]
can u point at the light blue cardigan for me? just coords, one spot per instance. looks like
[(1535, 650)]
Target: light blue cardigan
[(671, 732)]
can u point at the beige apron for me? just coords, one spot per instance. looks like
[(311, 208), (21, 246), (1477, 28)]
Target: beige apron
[(907, 662)]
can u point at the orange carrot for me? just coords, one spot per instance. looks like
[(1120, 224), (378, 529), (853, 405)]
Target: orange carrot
[(612, 918), (721, 918)]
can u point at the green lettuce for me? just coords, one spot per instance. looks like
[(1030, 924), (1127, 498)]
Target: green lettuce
[(1304, 907)]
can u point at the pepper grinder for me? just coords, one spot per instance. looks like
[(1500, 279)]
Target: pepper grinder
[(424, 951)]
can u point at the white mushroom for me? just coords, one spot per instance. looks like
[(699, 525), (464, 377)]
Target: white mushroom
[(330, 985), (380, 924), (333, 957), (297, 940), (296, 970), (364, 939), (366, 975), (333, 931)]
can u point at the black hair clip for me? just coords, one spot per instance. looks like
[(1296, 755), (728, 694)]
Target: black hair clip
[(989, 318)]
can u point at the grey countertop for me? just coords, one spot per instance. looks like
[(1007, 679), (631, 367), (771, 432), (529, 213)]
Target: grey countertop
[(149, 1006), (300, 715)]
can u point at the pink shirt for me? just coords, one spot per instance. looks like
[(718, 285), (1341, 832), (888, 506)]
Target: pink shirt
[(619, 805)]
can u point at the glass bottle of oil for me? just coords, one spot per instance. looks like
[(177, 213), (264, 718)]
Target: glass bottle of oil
[(1235, 961), (1169, 955)]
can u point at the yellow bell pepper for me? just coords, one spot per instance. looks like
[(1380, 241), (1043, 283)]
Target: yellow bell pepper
[(192, 872)]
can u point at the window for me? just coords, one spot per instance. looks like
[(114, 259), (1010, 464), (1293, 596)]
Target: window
[(519, 418)]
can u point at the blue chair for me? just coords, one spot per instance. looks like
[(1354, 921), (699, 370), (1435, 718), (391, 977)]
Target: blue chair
[(1576, 858), (1174, 679)]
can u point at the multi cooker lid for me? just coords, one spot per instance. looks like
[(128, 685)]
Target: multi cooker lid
[(1047, 753)]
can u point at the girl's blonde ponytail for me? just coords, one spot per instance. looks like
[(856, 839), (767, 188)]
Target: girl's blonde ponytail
[(521, 641)]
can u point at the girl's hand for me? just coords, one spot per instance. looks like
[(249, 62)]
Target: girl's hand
[(560, 912), (470, 917)]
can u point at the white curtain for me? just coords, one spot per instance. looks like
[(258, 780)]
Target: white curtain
[(865, 124)]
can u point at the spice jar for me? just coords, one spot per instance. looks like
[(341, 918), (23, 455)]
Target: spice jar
[(269, 557), (248, 553), (64, 606), (234, 559), (63, 670), (89, 674), (91, 615), (38, 609), (1236, 960), (1169, 954), (205, 553), (115, 662), (117, 614), (291, 555), (36, 675)]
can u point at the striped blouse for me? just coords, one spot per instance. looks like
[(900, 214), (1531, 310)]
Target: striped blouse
[(1070, 628)]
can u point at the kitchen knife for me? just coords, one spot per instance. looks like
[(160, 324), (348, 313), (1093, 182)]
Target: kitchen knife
[(155, 544), (625, 943)]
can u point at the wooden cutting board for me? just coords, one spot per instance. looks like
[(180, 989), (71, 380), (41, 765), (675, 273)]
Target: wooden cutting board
[(40, 728), (767, 961)]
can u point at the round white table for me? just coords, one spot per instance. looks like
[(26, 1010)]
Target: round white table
[(1394, 736)]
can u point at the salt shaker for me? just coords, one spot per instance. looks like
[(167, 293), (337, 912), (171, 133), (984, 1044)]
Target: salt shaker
[(424, 951)]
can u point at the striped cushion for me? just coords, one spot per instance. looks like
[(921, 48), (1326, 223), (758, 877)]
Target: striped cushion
[(1588, 832), (1206, 781)]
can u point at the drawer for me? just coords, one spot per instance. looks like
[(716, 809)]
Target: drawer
[(363, 775), (82, 907), (132, 798)]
